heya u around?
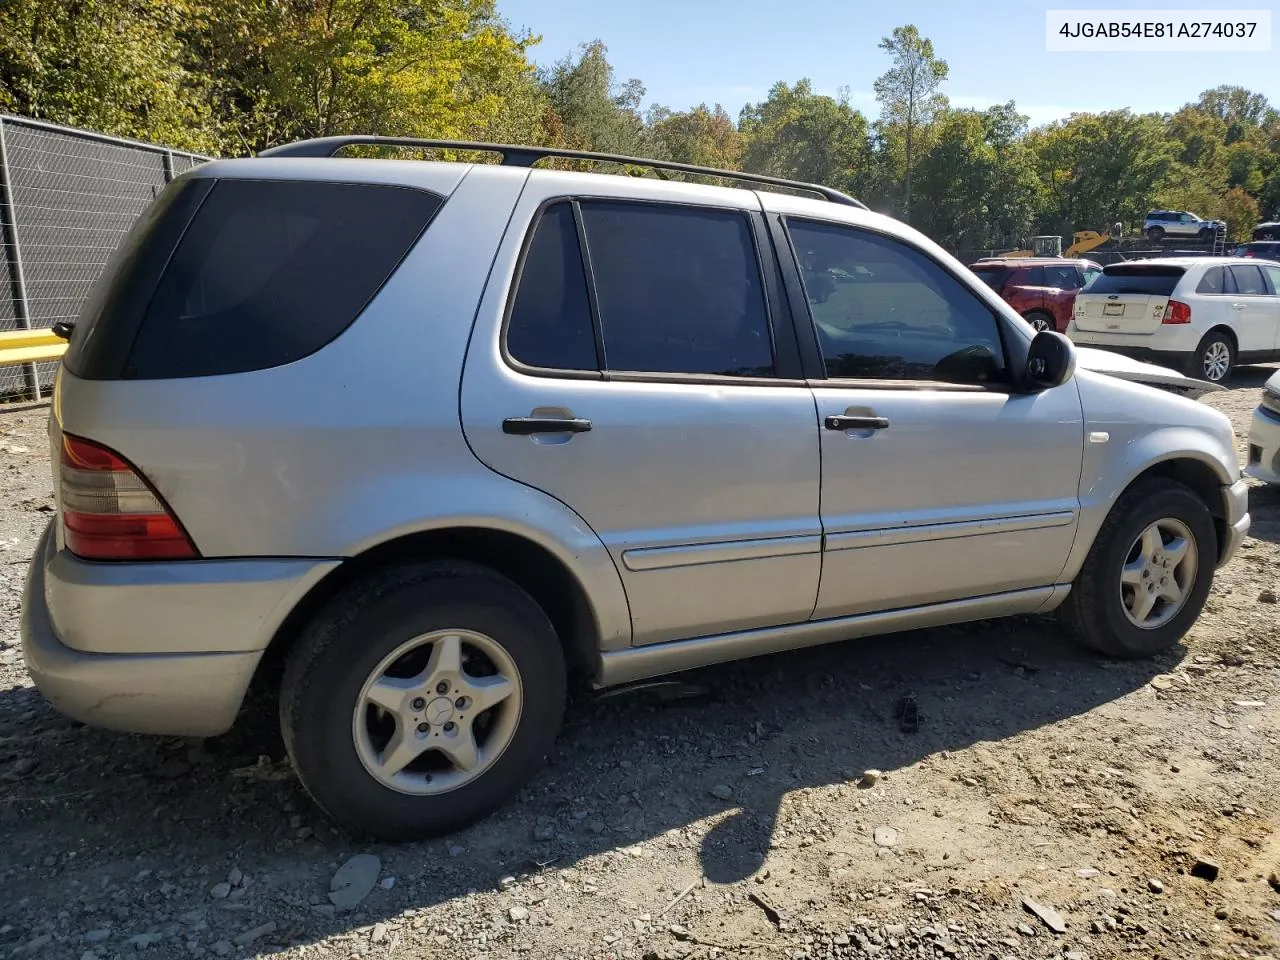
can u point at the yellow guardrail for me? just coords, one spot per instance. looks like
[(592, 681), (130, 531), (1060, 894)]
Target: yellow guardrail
[(30, 346)]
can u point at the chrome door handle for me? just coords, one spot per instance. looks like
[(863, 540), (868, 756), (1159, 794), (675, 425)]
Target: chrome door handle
[(527, 426), (856, 423)]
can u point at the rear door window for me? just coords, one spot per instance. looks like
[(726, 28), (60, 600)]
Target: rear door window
[(1249, 282), (1153, 281), (679, 289), (270, 271)]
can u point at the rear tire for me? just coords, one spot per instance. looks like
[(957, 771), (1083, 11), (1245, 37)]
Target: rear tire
[(1104, 607), (1214, 359), (1040, 320), (1155, 234), (469, 635)]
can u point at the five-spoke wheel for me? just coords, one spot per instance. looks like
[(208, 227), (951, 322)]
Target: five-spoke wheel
[(422, 698), (1148, 572)]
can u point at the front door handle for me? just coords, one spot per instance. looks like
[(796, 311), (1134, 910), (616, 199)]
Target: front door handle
[(856, 423), (527, 426)]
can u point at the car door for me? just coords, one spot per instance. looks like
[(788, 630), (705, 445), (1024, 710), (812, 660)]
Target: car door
[(636, 379), (938, 481), (1025, 289), (1271, 273), (1255, 320)]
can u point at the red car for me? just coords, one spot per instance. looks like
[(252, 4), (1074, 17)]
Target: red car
[(1042, 290)]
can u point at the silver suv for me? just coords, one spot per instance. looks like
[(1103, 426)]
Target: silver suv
[(420, 444), (1180, 223)]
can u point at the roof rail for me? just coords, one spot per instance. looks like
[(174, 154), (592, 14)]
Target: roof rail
[(520, 156)]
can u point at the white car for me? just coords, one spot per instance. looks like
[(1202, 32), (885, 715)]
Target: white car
[(1264, 435), (1200, 314)]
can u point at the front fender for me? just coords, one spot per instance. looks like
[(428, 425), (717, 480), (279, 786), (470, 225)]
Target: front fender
[(1111, 467)]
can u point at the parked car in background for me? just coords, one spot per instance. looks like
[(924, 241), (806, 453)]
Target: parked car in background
[(371, 432), (1179, 223), (1267, 231), (1264, 434), (1261, 249), (1202, 314), (1042, 289)]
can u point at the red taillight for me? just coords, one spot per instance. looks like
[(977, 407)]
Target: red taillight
[(1176, 312), (110, 513)]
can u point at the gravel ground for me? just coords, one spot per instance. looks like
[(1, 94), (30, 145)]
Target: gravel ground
[(1050, 804)]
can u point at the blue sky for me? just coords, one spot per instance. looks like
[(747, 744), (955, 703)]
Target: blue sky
[(689, 51)]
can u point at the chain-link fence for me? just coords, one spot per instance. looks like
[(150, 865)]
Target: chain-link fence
[(67, 197)]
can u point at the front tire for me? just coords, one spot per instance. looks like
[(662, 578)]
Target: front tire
[(1148, 572), (422, 699), (1214, 358)]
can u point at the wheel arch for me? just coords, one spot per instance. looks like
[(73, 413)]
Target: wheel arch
[(1196, 468), (1224, 329), (528, 564)]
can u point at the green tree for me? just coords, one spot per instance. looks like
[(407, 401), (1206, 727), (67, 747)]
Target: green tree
[(798, 134), (283, 70), (1238, 108), (1101, 168), (595, 111), (704, 136), (117, 66), (908, 93)]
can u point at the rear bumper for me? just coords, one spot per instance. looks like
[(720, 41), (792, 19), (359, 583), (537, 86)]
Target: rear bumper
[(1264, 447), (1170, 346), (1174, 360), (1235, 499), (134, 647)]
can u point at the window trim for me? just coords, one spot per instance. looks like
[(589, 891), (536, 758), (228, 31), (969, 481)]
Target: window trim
[(818, 376), (787, 370)]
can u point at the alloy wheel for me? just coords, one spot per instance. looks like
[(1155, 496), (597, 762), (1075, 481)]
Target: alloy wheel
[(437, 712), (1217, 360), (1158, 574)]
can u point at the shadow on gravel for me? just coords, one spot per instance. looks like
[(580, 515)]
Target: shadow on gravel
[(102, 807), (1249, 377)]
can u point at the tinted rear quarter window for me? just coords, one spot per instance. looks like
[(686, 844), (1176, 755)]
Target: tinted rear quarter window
[(1154, 281), (1213, 282), (993, 277), (270, 271)]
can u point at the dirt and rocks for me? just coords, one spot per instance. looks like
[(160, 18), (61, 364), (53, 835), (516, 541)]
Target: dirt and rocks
[(986, 791)]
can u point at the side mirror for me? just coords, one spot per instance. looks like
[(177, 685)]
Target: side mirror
[(1051, 360)]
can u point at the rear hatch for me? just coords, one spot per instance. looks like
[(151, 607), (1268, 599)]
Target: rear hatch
[(1127, 298)]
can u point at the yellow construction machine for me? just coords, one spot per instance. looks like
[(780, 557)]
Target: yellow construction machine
[(1082, 241)]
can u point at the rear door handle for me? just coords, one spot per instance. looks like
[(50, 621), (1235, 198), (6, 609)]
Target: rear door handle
[(856, 423), (526, 426)]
